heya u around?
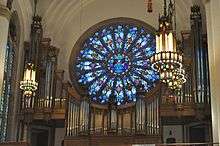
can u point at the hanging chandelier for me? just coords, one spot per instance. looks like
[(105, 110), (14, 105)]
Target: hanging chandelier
[(178, 79), (167, 61), (28, 84)]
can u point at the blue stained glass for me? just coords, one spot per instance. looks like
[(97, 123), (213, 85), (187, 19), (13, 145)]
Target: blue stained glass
[(108, 88), (145, 84), (142, 41), (97, 44), (130, 89), (119, 93), (145, 74), (138, 55), (114, 62), (143, 63), (88, 77), (135, 79), (103, 99), (97, 85), (140, 46), (132, 34), (118, 64), (151, 75), (108, 39), (88, 65), (119, 36), (7, 87), (91, 54), (135, 49), (149, 53)]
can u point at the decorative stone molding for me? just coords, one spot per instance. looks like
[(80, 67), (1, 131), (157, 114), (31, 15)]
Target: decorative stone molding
[(205, 1), (5, 12)]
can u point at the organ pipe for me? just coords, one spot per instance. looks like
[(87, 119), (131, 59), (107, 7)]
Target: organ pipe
[(140, 115), (49, 80), (73, 119), (143, 118), (200, 59), (84, 116)]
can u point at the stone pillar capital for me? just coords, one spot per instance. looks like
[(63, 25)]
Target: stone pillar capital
[(5, 12)]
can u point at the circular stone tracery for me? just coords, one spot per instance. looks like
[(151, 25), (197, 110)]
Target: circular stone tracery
[(114, 62)]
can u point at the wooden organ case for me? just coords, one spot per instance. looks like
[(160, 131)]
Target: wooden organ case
[(96, 124)]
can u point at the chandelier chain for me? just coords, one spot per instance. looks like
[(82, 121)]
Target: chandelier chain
[(165, 8), (80, 16), (35, 7)]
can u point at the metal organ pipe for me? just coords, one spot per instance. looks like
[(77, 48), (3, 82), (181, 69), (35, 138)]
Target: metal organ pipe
[(47, 83), (158, 117), (73, 118), (200, 59), (143, 118), (68, 120), (152, 119), (140, 115), (74, 122), (50, 68), (84, 116), (113, 119)]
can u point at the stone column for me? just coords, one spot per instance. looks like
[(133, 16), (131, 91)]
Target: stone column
[(213, 30), (4, 25)]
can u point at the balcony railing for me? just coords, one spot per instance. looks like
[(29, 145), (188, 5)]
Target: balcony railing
[(55, 107)]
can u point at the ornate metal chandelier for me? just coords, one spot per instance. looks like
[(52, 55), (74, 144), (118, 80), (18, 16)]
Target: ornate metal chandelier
[(167, 60), (29, 85), (178, 79)]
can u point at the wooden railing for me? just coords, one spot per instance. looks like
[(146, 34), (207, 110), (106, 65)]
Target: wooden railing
[(184, 104), (53, 107)]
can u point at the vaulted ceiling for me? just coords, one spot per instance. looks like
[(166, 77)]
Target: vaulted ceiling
[(65, 20)]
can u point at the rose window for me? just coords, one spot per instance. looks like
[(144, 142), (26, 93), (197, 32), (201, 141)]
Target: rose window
[(114, 62)]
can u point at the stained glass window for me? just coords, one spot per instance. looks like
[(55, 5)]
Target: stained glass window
[(7, 88), (114, 61)]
